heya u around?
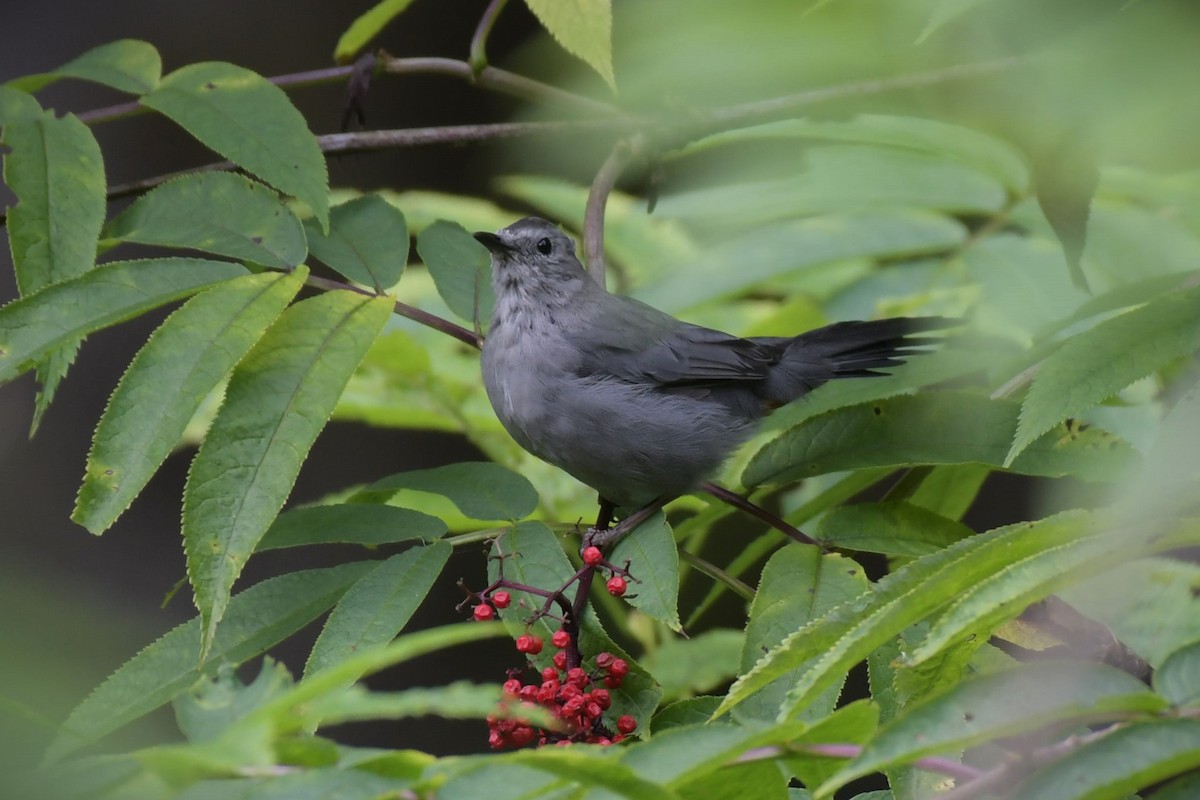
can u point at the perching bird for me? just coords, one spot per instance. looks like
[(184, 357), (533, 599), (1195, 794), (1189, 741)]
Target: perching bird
[(631, 401)]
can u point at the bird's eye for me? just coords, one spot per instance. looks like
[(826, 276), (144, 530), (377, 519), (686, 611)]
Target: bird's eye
[(545, 246)]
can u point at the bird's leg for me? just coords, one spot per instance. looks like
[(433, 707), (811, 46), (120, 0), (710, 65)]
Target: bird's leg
[(758, 512)]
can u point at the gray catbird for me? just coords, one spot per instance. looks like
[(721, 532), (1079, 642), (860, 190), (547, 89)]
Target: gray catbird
[(631, 401)]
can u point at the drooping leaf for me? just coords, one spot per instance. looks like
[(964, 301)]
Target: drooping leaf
[(952, 427), (249, 121), (895, 529), (189, 354), (350, 523), (105, 296), (128, 65), (278, 399), (1066, 175), (1178, 679), (1094, 365), (461, 269), (481, 490), (798, 585), (654, 566), (378, 606), (583, 28), (257, 618), (217, 212), (367, 241), (1000, 704), (365, 28)]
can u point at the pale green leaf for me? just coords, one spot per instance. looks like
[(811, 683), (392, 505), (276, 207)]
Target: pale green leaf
[(278, 400), (1178, 679), (378, 606), (586, 766), (189, 354), (315, 784), (205, 712), (950, 490), (461, 269), (951, 427), (458, 700), (945, 12), (1127, 760), (894, 529), (17, 106), (367, 241), (682, 755), (128, 65), (105, 296), (1000, 704), (798, 585), (257, 618), (854, 723), (216, 212), (481, 490), (583, 28), (697, 664), (251, 122), (1093, 366), (653, 568), (365, 28), (350, 523)]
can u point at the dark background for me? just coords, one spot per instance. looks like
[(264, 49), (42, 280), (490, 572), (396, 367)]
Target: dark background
[(73, 607)]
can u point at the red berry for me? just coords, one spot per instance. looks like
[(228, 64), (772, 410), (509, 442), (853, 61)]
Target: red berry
[(483, 612), (620, 737), (593, 710), (527, 643), (573, 705), (578, 676), (619, 668), (528, 693), (569, 690), (501, 599), (601, 697), (560, 639), (604, 660), (522, 736), (616, 586), (627, 724), (560, 660), (592, 556), (549, 674), (496, 740), (612, 682), (512, 686)]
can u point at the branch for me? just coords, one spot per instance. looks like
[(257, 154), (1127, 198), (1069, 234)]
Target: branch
[(756, 511), (622, 155), (478, 56)]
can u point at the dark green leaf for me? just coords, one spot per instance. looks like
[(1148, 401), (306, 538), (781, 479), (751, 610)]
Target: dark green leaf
[(128, 65), (105, 296), (693, 711), (251, 122), (1093, 366), (481, 490), (365, 28), (952, 427), (278, 399), (1001, 704), (318, 784), (894, 529), (367, 241), (189, 354), (583, 28), (949, 491), (378, 606), (654, 569), (851, 724), (217, 212), (350, 523), (1178, 679), (257, 618), (1125, 761), (461, 269)]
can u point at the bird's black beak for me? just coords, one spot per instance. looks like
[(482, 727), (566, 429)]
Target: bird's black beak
[(492, 242)]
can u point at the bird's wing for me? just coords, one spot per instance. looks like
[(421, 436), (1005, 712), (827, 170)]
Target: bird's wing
[(641, 344)]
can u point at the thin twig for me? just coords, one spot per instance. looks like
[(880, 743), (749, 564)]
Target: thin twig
[(622, 155), (756, 511), (735, 585), (478, 57), (405, 310)]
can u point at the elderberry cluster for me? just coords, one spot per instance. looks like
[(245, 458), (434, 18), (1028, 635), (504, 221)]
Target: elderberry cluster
[(572, 695)]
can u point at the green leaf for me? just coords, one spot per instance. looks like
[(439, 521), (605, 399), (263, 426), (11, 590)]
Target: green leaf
[(461, 270), (1186, 787), (481, 490), (189, 354), (17, 106), (851, 631), (683, 755), (693, 711), (1178, 679), (654, 568), (951, 427), (278, 399), (378, 606), (251, 122), (217, 212), (945, 12), (798, 585), (256, 619), (793, 246), (317, 784), (350, 523), (1094, 365), (530, 554), (128, 65), (583, 28), (851, 724), (1000, 704), (109, 294), (761, 780), (458, 700), (697, 664), (949, 491), (365, 28), (204, 713), (367, 241), (583, 765), (1124, 761), (894, 529)]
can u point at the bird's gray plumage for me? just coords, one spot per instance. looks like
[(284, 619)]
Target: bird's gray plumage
[(629, 400)]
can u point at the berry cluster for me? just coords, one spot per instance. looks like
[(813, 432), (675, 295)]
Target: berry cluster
[(616, 584), (571, 695)]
